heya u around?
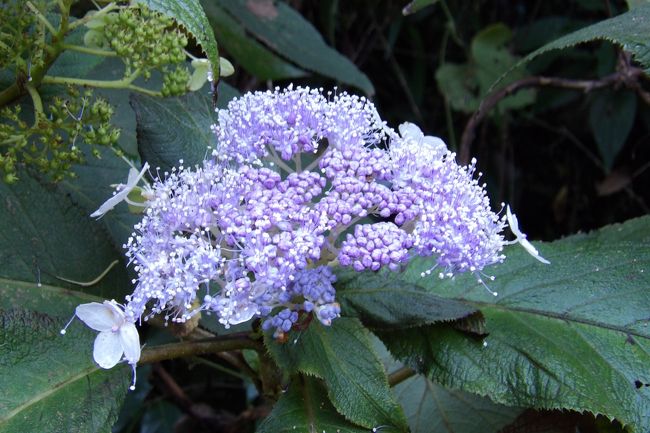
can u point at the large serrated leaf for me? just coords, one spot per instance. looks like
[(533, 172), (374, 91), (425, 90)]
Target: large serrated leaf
[(342, 355), (431, 408), (286, 32), (630, 30), (305, 408), (172, 129), (44, 236), (382, 305), (190, 15), (572, 335), (249, 53)]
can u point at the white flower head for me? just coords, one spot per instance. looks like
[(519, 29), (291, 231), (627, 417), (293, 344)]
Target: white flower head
[(124, 190), (117, 334), (521, 237)]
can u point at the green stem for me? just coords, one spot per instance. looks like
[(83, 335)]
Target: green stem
[(99, 13), (36, 100), (41, 18), (86, 50), (124, 83), (198, 347)]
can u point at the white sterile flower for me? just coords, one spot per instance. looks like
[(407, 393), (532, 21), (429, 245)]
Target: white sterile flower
[(415, 155), (124, 190), (521, 237), (413, 134), (117, 334)]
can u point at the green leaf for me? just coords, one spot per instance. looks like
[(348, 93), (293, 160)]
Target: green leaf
[(305, 408), (464, 85), (45, 236), (380, 304), (611, 117), (49, 382), (356, 385), (430, 407), (571, 335), (190, 15), (250, 54), (459, 85), (172, 129), (630, 30), (286, 32), (417, 5)]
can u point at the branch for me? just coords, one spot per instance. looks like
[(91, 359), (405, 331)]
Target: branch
[(627, 76), (198, 347)]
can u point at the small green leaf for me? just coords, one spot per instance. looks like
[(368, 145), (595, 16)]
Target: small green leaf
[(306, 408), (289, 34), (356, 385), (172, 129), (250, 54), (630, 30), (571, 335), (417, 5), (611, 117), (190, 15), (380, 304), (464, 85)]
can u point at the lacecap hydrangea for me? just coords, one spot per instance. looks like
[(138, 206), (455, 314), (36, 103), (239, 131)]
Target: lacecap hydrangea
[(301, 182)]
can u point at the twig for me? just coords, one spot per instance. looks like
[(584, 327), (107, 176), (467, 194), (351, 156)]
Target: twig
[(400, 375), (200, 347), (627, 76)]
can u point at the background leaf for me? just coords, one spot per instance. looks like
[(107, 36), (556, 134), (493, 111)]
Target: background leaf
[(357, 385), (171, 129), (250, 54), (286, 32), (611, 117), (190, 15), (31, 250), (305, 408), (382, 305), (572, 335), (629, 30), (417, 5)]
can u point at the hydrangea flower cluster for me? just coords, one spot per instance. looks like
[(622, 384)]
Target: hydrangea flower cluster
[(303, 181)]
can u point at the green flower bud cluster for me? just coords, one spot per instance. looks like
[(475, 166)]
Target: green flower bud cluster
[(146, 41), (51, 144), (22, 38)]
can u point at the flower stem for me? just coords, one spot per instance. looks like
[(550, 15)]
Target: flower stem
[(124, 83), (111, 6), (41, 18), (36, 100), (86, 50), (198, 347)]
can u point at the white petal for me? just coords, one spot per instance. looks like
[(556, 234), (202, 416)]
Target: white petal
[(243, 314), (410, 130), (513, 223), (532, 250), (130, 341), (97, 316), (134, 178), (108, 349)]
